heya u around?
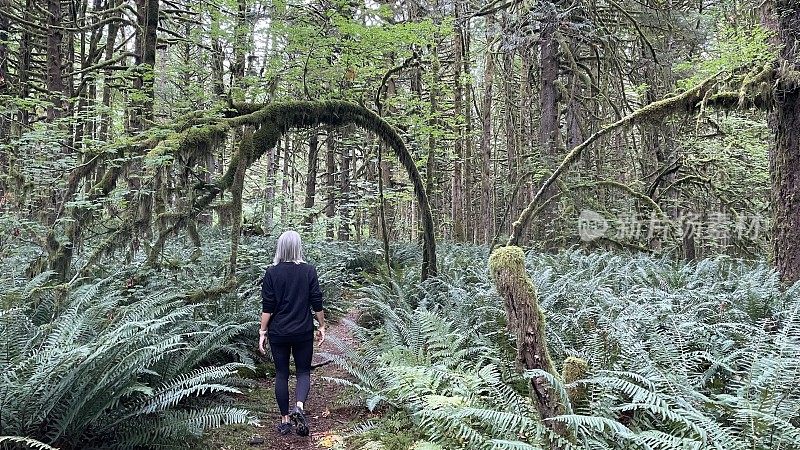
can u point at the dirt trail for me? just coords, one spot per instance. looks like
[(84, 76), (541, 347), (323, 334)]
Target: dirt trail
[(328, 417)]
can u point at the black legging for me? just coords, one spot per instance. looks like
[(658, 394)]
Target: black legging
[(302, 352)]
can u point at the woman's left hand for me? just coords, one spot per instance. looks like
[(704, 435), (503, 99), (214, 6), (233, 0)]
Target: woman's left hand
[(261, 339), (321, 334)]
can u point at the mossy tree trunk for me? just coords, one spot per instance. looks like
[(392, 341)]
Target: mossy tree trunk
[(784, 120), (526, 321), (237, 189)]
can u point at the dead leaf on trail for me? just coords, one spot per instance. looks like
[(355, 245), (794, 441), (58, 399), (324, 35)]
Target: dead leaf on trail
[(330, 440)]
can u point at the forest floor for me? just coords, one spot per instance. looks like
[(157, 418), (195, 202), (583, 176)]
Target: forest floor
[(326, 409)]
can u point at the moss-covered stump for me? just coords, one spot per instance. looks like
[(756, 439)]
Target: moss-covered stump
[(574, 369), (526, 322)]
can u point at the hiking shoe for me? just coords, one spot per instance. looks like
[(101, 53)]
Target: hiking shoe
[(299, 419), (285, 428)]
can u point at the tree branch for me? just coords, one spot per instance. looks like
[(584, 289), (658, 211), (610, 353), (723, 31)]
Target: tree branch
[(686, 101)]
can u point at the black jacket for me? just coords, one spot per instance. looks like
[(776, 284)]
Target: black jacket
[(289, 292)]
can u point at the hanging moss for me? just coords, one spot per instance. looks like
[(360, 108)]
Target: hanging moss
[(686, 102), (193, 136), (272, 121)]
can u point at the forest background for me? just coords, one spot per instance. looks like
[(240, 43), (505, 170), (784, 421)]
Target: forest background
[(151, 151), (489, 99)]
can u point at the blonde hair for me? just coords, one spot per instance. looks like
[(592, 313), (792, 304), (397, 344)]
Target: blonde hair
[(289, 249)]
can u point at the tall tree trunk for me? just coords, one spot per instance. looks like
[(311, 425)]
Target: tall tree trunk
[(240, 45), (509, 125), (59, 255), (344, 186), (388, 209), (5, 122), (486, 211), (269, 192), (68, 67), (431, 171), (548, 106), (784, 120), (111, 40), (145, 63), (217, 68), (311, 180), (658, 145), (469, 176), (330, 182), (237, 190), (285, 197), (142, 114), (4, 29), (457, 189), (525, 130), (88, 57), (23, 75), (55, 81), (384, 233)]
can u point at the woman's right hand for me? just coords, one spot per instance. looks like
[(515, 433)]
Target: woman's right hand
[(262, 337)]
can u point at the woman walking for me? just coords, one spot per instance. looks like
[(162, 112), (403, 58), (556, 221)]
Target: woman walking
[(289, 291)]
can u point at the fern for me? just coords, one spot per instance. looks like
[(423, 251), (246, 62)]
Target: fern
[(682, 356), (25, 442), (105, 362)]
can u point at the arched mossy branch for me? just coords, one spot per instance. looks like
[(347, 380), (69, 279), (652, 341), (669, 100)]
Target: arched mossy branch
[(700, 96), (526, 321), (272, 121)]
